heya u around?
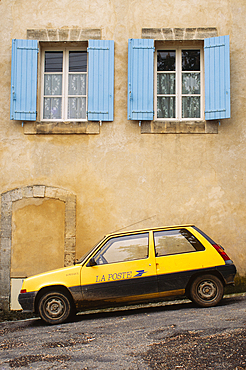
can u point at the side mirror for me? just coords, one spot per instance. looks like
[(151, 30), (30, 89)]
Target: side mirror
[(92, 262)]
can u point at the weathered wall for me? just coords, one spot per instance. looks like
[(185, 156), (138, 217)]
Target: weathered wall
[(37, 219), (121, 176)]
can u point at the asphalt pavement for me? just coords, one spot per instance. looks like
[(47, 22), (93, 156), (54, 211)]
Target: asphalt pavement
[(171, 335)]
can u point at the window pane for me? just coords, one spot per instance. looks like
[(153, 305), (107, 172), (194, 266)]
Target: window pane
[(165, 107), (76, 108), (52, 84), (53, 61), (125, 248), (175, 241), (76, 84), (190, 60), (191, 107), (166, 83), (190, 83), (52, 108), (77, 61), (166, 60)]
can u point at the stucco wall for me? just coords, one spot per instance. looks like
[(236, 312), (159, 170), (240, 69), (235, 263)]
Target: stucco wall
[(120, 176)]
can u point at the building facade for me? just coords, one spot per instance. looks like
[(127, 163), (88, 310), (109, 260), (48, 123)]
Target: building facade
[(118, 115)]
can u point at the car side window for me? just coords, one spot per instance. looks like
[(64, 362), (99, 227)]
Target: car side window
[(175, 241), (123, 248)]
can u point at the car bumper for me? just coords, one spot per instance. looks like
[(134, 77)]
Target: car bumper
[(27, 300)]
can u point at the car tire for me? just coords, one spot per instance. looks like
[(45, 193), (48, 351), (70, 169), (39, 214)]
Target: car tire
[(55, 307), (206, 291)]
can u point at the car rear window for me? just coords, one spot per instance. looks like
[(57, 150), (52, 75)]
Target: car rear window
[(204, 235), (175, 241)]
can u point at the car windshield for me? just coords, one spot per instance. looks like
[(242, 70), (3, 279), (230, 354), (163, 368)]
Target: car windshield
[(89, 252)]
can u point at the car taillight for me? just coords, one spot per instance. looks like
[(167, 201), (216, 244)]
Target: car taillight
[(221, 251), (23, 291)]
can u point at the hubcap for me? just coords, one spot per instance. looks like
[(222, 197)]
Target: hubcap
[(207, 290), (54, 307)]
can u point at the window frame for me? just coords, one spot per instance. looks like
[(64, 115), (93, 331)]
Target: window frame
[(65, 73), (178, 46), (103, 248), (182, 252)]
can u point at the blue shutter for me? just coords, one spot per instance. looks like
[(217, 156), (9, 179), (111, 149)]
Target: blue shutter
[(217, 77), (24, 80), (140, 79), (101, 80)]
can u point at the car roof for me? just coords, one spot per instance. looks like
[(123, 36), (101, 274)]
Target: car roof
[(135, 231)]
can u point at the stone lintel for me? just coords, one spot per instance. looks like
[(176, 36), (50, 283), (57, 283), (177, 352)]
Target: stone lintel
[(200, 33), (167, 127), (61, 128), (64, 34)]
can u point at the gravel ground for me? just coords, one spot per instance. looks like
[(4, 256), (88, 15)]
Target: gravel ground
[(165, 336)]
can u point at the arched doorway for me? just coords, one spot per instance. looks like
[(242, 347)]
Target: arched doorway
[(28, 214)]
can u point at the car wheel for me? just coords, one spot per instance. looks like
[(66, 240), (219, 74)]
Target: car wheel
[(54, 307), (206, 291)]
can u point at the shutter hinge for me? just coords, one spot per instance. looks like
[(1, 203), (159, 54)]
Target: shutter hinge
[(144, 47), (23, 111), (143, 111), (213, 46), (215, 110), (26, 48), (95, 112), (96, 48)]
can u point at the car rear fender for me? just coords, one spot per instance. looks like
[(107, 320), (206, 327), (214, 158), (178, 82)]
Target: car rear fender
[(200, 273)]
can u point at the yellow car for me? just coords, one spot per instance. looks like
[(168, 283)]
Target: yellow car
[(130, 267)]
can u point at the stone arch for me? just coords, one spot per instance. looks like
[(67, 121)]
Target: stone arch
[(34, 191)]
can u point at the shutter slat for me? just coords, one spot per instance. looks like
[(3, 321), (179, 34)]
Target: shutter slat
[(24, 80), (217, 77), (140, 79), (101, 80)]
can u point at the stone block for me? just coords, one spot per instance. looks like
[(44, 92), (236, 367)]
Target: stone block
[(52, 35), (50, 192), (6, 227), (5, 248), (190, 33), (6, 197), (27, 192), (61, 194), (69, 259), (211, 127), (91, 33), (38, 191), (16, 194), (70, 244), (152, 33), (179, 33), (204, 33), (74, 34), (37, 34), (182, 127), (92, 128), (63, 35)]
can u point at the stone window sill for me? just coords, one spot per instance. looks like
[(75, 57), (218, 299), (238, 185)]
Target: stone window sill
[(179, 127), (61, 128)]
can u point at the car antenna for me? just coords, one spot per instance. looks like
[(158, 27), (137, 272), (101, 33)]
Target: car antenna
[(135, 223)]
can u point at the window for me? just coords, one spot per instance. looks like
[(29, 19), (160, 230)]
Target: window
[(123, 248), (175, 242), (71, 88), (179, 84), (64, 85), (192, 80)]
